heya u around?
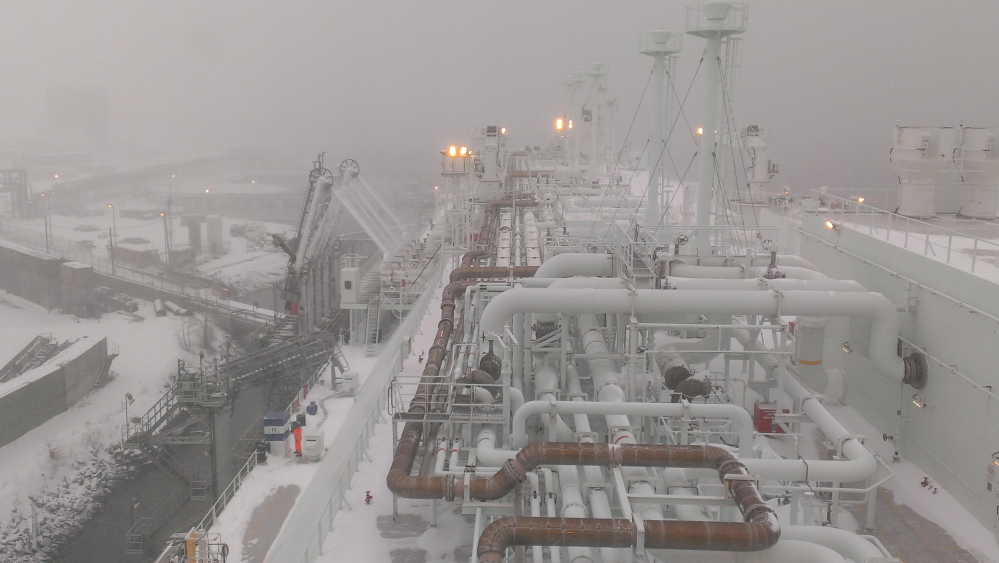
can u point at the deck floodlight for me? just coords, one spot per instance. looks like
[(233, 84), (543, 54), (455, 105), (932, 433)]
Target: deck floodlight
[(464, 151), (559, 124), (860, 199), (847, 348), (916, 401), (570, 124), (503, 131), (700, 130), (452, 150), (832, 224)]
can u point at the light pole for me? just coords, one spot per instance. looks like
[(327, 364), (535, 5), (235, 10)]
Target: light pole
[(128, 400), (112, 235), (166, 238), (47, 220)]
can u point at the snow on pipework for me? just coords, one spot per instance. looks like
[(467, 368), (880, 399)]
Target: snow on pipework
[(568, 265), (884, 328)]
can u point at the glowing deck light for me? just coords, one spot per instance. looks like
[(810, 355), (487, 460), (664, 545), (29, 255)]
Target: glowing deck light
[(860, 199), (464, 151), (570, 124), (832, 225), (452, 150), (559, 124), (700, 130), (503, 131)]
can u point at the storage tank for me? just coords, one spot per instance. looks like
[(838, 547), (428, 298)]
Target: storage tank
[(978, 161), (213, 229), (920, 155)]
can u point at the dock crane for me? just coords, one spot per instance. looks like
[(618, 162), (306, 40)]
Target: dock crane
[(319, 227)]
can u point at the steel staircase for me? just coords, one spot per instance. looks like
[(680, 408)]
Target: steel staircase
[(371, 328)]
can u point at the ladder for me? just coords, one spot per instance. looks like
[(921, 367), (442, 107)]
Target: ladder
[(339, 360), (371, 329)]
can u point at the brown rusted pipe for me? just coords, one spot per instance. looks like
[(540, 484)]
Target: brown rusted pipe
[(596, 532), (761, 522), (466, 260), (760, 529), (466, 272)]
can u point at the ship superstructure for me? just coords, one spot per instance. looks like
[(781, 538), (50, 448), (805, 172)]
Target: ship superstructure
[(616, 375)]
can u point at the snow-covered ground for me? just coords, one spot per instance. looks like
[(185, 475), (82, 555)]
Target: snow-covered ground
[(61, 453), (250, 263)]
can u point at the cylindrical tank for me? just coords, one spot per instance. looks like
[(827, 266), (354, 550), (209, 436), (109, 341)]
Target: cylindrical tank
[(809, 337), (978, 160), (920, 156)]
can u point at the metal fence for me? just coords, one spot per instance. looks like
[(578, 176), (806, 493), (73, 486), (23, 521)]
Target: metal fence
[(305, 529), (957, 249)]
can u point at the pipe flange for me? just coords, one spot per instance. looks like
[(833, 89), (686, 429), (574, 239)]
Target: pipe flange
[(510, 467), (752, 511), (449, 488), (916, 371)]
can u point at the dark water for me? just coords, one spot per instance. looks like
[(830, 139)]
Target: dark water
[(155, 493)]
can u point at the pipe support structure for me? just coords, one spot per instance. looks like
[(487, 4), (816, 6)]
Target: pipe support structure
[(881, 311)]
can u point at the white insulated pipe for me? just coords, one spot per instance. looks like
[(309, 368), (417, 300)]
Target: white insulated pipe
[(794, 260), (795, 272), (760, 284), (605, 377), (784, 551), (881, 311), (441, 456), (860, 463), (554, 551), (847, 544), (536, 550), (684, 270), (741, 419), (455, 452), (573, 507), (577, 283), (576, 264)]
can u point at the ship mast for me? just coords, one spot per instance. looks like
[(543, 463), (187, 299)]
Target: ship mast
[(713, 21)]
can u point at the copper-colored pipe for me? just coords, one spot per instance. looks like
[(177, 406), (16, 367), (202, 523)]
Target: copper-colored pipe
[(597, 532), (570, 453), (471, 255), (761, 522)]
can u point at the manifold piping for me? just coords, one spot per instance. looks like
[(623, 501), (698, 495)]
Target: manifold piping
[(409, 440), (759, 530), (742, 420), (884, 327), (467, 272), (576, 264)]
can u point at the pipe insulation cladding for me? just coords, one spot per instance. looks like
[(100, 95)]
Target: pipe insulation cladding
[(874, 306)]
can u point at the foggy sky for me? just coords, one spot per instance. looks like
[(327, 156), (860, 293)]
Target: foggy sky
[(399, 80)]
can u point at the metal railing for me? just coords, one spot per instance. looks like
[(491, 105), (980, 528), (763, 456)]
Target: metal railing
[(211, 518), (153, 416), (71, 250), (949, 246), (305, 528)]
